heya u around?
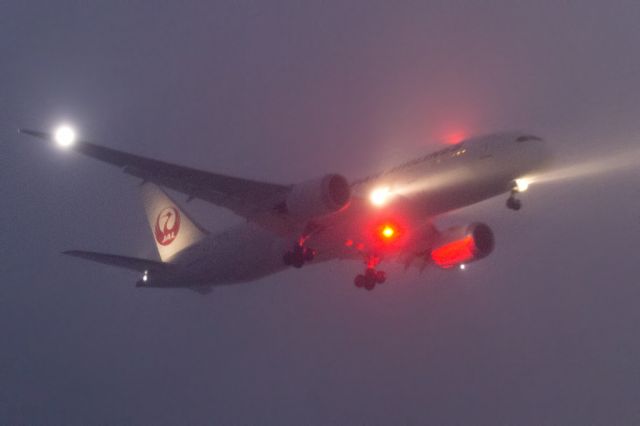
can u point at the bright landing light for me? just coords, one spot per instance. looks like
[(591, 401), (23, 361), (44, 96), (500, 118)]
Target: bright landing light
[(522, 184), (64, 136), (463, 266), (380, 196)]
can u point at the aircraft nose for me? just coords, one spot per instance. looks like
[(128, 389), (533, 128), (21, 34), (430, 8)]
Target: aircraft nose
[(545, 153)]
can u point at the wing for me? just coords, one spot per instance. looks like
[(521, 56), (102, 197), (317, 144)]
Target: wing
[(253, 200)]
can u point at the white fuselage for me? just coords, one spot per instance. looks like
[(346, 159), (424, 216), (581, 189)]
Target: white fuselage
[(449, 179)]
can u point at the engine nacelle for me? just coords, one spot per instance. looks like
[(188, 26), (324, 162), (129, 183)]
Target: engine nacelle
[(318, 197), (461, 245)]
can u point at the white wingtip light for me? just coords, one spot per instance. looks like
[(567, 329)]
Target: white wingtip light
[(64, 136)]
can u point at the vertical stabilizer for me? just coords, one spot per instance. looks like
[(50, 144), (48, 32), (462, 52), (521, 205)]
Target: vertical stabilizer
[(173, 230)]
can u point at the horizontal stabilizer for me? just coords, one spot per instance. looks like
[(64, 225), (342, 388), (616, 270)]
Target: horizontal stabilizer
[(136, 264)]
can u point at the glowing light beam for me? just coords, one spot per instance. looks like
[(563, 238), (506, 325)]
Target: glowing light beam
[(613, 162)]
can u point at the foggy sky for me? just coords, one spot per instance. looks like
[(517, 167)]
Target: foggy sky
[(544, 331)]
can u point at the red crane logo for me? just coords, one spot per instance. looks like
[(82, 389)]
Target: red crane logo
[(167, 226)]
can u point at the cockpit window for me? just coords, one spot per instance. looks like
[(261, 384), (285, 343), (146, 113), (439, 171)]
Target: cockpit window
[(527, 138)]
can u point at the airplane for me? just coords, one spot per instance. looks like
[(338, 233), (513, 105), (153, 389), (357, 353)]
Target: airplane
[(384, 217)]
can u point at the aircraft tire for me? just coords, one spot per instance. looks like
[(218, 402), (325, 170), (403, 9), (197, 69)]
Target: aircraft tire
[(309, 255), (298, 262), (514, 204), (369, 284)]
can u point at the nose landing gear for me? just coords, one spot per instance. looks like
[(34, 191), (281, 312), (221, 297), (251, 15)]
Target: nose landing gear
[(513, 203)]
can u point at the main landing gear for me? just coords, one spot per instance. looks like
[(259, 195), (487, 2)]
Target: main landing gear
[(371, 276), (298, 256)]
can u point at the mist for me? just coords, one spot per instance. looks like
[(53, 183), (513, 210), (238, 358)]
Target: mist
[(541, 332)]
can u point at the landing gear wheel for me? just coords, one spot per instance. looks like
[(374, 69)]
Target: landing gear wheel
[(309, 254), (370, 279), (514, 204), (370, 274), (369, 284), (298, 261)]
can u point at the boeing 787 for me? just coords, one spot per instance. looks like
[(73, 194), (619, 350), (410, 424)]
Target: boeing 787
[(385, 217)]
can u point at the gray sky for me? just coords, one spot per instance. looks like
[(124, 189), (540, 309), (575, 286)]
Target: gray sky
[(544, 331)]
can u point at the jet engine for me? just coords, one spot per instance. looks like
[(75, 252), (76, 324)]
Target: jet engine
[(318, 197), (464, 244)]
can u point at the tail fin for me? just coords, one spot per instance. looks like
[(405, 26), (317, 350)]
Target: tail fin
[(173, 230)]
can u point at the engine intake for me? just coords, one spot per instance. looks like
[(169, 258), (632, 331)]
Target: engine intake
[(464, 244), (319, 197)]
